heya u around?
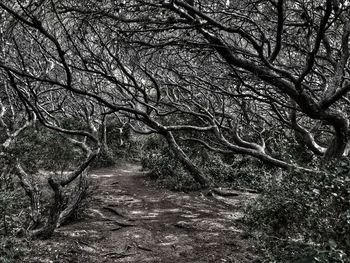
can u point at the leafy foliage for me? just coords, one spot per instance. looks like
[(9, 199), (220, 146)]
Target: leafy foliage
[(119, 145), (164, 168), (106, 158), (7, 203), (311, 208), (242, 172), (11, 204), (39, 148), (221, 170), (9, 252)]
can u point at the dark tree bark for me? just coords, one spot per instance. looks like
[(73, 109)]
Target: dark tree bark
[(338, 144), (33, 193), (75, 200), (55, 209)]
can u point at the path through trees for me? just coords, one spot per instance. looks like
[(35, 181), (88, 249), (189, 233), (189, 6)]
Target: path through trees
[(129, 220)]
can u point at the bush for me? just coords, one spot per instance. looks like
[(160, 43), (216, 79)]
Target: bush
[(11, 206), (243, 172), (9, 251), (106, 158), (168, 173), (311, 208), (7, 203), (12, 202), (120, 145), (164, 168), (40, 148)]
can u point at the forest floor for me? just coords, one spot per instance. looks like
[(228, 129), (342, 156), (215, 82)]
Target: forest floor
[(128, 219)]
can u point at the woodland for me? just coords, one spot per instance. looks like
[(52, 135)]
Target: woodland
[(208, 98)]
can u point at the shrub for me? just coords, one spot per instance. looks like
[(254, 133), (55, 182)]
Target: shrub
[(243, 172), (9, 251), (12, 202), (39, 148), (7, 203), (11, 205), (164, 168), (168, 172), (311, 208), (106, 158)]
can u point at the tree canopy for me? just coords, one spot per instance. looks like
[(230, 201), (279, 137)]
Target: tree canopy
[(239, 71)]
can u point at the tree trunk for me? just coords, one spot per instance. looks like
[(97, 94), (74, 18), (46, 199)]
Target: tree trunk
[(33, 193), (194, 171), (104, 134), (75, 200), (48, 229), (337, 146), (340, 140)]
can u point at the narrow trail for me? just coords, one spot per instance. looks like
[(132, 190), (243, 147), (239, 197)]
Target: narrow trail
[(130, 220)]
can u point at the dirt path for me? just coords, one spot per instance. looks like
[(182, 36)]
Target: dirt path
[(129, 220)]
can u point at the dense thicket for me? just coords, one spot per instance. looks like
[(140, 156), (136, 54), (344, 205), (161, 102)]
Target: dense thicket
[(267, 79)]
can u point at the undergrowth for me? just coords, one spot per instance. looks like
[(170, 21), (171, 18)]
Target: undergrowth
[(305, 217), (298, 216)]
